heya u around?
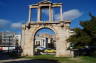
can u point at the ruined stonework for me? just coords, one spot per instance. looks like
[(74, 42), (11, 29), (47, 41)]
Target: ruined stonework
[(61, 29)]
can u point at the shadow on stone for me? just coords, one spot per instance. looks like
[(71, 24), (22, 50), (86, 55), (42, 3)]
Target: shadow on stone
[(35, 61), (7, 56)]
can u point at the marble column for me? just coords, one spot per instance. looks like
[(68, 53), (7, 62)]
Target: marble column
[(30, 12), (39, 14), (61, 13), (50, 13)]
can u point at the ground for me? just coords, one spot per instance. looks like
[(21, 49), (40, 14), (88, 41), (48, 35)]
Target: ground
[(46, 59)]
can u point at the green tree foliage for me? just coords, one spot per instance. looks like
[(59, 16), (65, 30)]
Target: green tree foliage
[(85, 36)]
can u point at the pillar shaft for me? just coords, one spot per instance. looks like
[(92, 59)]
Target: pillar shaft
[(50, 13), (39, 13), (30, 12), (61, 13)]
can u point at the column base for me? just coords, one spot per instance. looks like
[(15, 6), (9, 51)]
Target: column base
[(64, 54)]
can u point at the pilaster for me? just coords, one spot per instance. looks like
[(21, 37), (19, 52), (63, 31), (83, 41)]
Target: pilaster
[(39, 14), (61, 13), (50, 13), (30, 12)]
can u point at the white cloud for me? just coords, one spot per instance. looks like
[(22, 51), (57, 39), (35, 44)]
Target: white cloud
[(3, 22), (69, 15), (16, 25), (72, 14)]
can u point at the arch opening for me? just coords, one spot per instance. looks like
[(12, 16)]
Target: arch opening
[(45, 41)]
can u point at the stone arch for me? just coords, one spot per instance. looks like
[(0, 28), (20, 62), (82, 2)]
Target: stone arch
[(60, 33), (61, 29), (37, 29), (61, 36), (42, 27)]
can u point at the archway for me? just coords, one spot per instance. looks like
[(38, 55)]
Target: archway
[(45, 41), (60, 27)]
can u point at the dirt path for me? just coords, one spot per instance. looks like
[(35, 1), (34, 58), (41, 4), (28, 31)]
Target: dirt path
[(4, 58), (21, 60)]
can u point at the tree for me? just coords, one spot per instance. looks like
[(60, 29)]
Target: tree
[(85, 36)]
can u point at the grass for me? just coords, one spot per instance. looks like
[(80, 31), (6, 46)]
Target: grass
[(82, 59)]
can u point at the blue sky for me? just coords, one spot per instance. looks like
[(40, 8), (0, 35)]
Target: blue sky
[(15, 12)]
